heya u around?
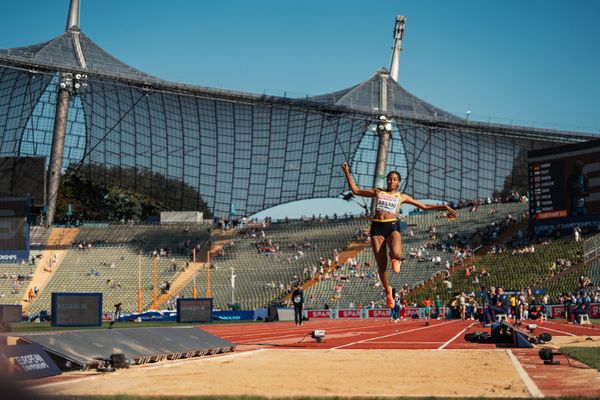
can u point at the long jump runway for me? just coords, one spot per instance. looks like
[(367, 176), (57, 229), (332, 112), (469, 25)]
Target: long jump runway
[(368, 358)]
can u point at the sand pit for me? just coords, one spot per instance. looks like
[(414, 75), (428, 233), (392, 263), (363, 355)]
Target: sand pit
[(576, 341), (286, 373)]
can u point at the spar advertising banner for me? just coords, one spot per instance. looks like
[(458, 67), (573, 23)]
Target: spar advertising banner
[(379, 312), (557, 311), (385, 312), (318, 314), (554, 311), (353, 313)]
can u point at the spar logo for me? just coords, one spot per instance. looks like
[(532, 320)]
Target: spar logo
[(349, 313), (319, 314), (383, 313)]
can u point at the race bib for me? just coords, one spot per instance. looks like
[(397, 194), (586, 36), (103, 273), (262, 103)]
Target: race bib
[(387, 203)]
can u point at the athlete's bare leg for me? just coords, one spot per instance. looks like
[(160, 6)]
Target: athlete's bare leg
[(394, 243), (379, 250)]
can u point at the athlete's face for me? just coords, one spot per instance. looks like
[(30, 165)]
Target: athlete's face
[(393, 182)]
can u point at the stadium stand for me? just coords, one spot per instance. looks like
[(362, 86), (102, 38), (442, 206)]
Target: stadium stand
[(421, 251), (267, 261), (104, 259)]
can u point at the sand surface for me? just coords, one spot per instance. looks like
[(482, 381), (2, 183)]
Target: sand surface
[(286, 373)]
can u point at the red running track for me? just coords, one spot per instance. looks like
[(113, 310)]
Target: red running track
[(373, 334)]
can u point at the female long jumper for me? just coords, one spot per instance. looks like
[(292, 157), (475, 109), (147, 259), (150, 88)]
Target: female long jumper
[(385, 229)]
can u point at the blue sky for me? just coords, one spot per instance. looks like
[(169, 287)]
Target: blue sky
[(532, 63)]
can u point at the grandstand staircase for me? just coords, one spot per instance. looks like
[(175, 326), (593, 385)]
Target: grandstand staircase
[(351, 251), (59, 242), (218, 240), (478, 255), (505, 235)]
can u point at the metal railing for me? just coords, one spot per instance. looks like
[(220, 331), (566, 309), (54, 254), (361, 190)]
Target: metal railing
[(591, 249)]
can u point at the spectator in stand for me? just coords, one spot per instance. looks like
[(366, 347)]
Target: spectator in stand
[(577, 233), (448, 286)]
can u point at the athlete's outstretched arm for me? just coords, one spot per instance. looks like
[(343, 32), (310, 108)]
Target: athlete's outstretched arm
[(423, 206), (353, 187)]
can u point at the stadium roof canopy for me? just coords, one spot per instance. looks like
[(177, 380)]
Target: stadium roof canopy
[(240, 152), (366, 97)]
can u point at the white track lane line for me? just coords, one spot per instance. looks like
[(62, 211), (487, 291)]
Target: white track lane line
[(534, 391), (442, 347), (556, 330), (294, 332), (589, 328), (391, 334)]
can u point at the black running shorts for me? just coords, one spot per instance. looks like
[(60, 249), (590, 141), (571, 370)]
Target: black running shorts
[(384, 228)]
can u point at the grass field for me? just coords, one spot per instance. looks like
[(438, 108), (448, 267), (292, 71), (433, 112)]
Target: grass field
[(587, 355)]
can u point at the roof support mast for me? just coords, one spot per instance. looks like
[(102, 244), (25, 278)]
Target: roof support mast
[(398, 35), (60, 119), (384, 123), (73, 20)]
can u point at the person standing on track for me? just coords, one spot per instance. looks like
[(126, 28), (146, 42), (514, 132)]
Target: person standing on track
[(298, 301), (427, 303), (438, 306), (385, 229)]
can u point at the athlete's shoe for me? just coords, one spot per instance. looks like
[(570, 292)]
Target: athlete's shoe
[(396, 265), (390, 301)]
